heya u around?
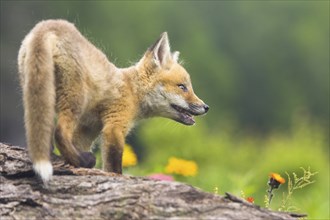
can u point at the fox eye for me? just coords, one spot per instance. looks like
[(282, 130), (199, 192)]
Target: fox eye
[(183, 87)]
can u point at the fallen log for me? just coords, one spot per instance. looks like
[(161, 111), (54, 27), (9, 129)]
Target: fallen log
[(78, 193)]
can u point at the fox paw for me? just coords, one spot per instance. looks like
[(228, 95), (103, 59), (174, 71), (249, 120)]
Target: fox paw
[(87, 160)]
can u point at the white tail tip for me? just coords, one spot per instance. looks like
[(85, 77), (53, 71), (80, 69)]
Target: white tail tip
[(44, 169)]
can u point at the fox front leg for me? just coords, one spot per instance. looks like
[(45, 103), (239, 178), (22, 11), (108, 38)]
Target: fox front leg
[(113, 141)]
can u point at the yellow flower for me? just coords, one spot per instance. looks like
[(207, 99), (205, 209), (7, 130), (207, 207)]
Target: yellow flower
[(129, 157), (181, 167)]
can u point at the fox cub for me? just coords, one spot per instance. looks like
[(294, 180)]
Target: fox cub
[(62, 74)]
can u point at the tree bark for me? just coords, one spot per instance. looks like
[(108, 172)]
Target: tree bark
[(78, 193)]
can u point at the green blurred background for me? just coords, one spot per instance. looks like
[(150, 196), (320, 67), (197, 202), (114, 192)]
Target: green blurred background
[(262, 66)]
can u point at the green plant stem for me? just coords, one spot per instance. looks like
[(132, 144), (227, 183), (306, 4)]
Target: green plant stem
[(270, 195)]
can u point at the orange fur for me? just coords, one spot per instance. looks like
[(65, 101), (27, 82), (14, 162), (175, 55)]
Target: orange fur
[(62, 73)]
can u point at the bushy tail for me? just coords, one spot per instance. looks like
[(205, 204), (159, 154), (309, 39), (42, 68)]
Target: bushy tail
[(36, 67)]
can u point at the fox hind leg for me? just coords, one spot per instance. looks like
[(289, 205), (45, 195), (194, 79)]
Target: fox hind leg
[(69, 105), (64, 135), (84, 136)]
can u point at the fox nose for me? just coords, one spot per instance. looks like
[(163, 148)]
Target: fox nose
[(206, 108)]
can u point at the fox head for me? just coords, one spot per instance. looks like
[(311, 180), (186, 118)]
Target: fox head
[(167, 85)]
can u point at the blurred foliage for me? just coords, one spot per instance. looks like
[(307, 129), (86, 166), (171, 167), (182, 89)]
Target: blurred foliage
[(255, 62), (261, 66), (235, 162)]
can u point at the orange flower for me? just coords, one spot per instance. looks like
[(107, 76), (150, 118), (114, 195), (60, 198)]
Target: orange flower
[(277, 177), (274, 182), (250, 199)]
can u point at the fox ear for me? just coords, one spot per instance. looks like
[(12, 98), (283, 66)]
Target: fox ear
[(161, 50)]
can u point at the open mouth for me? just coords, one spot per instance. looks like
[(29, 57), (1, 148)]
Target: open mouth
[(185, 116)]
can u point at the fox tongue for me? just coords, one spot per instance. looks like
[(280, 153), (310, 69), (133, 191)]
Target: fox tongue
[(184, 116), (187, 119)]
